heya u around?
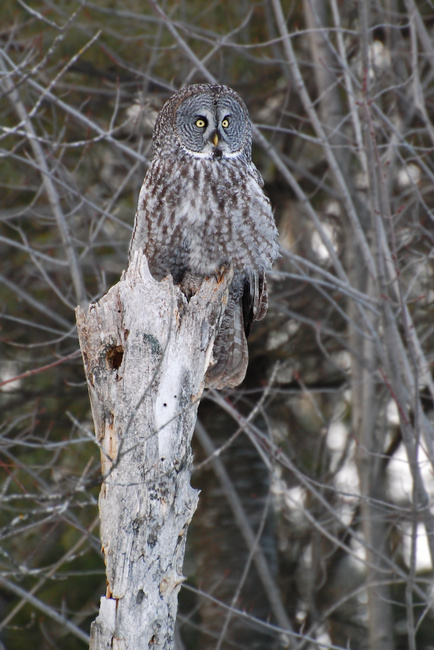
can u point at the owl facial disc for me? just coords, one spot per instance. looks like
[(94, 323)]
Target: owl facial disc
[(212, 125)]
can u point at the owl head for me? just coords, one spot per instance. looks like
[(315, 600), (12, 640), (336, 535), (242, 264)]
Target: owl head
[(204, 121)]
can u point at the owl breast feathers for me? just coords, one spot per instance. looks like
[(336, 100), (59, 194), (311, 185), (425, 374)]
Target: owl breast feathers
[(201, 208)]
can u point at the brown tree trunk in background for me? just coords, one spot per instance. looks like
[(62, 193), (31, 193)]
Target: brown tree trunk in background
[(145, 352), (368, 402), (366, 399)]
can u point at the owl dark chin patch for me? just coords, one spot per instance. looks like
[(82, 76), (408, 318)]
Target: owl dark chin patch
[(217, 153)]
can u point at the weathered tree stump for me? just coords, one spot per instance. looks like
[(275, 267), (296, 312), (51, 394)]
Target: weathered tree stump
[(146, 350)]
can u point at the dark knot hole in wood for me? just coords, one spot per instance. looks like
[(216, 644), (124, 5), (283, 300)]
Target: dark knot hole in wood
[(114, 356)]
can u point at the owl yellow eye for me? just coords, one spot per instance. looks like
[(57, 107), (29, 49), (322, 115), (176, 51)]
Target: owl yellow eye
[(200, 123), (225, 123)]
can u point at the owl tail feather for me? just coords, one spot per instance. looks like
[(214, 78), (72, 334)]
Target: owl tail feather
[(230, 350)]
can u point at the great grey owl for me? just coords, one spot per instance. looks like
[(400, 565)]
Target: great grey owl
[(201, 208)]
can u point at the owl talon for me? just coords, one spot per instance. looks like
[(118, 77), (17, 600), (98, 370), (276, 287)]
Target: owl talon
[(220, 274)]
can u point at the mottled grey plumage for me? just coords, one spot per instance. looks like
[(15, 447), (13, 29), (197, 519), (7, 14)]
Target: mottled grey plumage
[(201, 208)]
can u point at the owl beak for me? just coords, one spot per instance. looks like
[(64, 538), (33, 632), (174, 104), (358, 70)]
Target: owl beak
[(215, 139)]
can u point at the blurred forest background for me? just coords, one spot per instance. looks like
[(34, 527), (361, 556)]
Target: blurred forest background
[(316, 475)]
